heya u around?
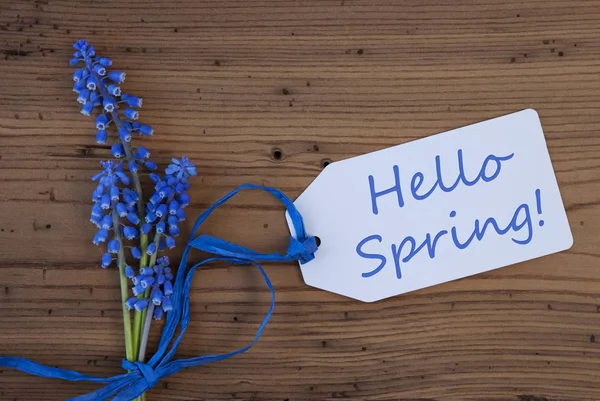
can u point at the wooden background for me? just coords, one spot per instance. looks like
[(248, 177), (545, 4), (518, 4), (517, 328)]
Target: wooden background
[(229, 82)]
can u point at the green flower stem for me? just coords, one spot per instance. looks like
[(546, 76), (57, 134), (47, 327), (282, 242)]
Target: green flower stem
[(124, 288), (144, 336), (137, 319)]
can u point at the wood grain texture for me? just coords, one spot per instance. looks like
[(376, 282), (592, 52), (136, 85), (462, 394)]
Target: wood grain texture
[(226, 83)]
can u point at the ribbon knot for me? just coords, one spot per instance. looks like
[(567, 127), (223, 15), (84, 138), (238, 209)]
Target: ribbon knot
[(303, 251), (148, 374)]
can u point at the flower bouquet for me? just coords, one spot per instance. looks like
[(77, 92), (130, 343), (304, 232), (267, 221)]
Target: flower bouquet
[(133, 229)]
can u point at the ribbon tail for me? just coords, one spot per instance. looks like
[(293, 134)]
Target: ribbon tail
[(38, 369)]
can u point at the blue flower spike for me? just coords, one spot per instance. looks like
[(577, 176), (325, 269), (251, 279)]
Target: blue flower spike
[(116, 202)]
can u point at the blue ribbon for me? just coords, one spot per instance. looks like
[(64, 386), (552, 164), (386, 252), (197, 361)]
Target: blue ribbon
[(140, 376)]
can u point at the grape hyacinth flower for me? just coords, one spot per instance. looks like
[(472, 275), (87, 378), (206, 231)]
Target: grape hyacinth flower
[(104, 214), (157, 278), (132, 227)]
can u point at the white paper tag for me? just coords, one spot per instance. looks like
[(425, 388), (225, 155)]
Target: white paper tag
[(434, 210)]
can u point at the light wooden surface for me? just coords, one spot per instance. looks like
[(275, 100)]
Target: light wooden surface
[(228, 82)]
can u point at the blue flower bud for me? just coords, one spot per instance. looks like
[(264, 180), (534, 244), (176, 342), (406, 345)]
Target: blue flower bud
[(130, 233), (129, 273), (74, 61), (168, 288), (157, 297), (113, 246), (130, 304), (141, 305), (121, 209), (101, 121), (87, 108), (125, 134), (174, 231), (173, 206), (123, 177), (106, 222), (151, 250), (95, 220), (146, 130), (146, 271), (96, 210), (157, 314), (90, 83), (136, 280), (132, 114), (150, 165), (109, 103), (114, 90), (180, 214), (117, 150), (134, 195), (133, 101), (100, 236), (146, 281), (106, 260), (167, 305), (116, 76), (171, 181), (99, 69), (133, 218), (162, 245), (135, 253), (80, 45), (83, 96), (161, 210), (150, 217), (144, 152), (180, 187), (150, 207), (159, 185), (184, 199), (96, 99), (160, 227), (105, 201), (114, 193), (168, 276), (101, 136), (165, 191), (155, 198), (78, 86), (173, 221), (77, 75), (137, 290), (154, 177), (146, 228), (160, 279), (105, 61), (170, 241), (133, 167)]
